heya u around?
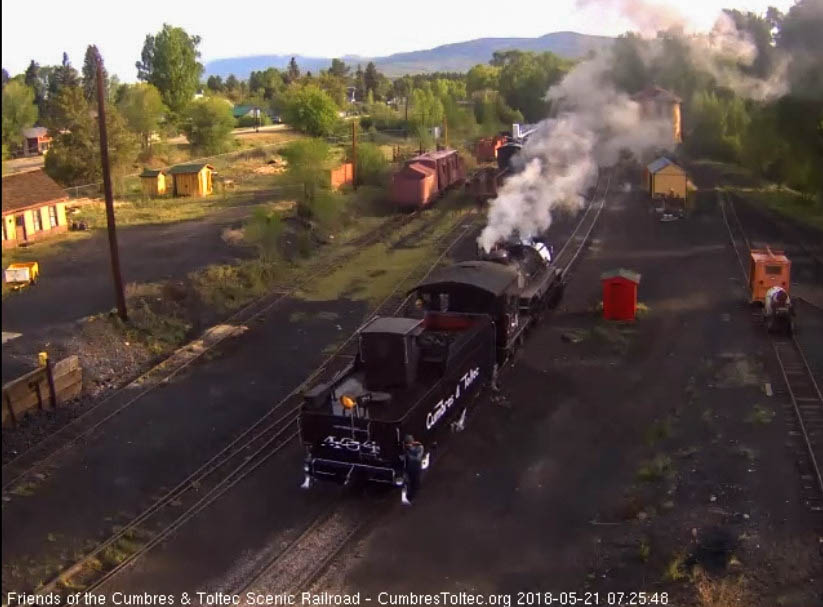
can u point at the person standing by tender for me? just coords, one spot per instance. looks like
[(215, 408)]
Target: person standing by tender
[(415, 459)]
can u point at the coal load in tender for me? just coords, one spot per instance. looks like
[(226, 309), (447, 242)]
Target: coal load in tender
[(419, 376)]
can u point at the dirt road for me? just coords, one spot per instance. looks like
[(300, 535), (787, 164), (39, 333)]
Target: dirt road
[(78, 283)]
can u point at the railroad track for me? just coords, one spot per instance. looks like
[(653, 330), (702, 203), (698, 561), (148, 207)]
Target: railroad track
[(801, 385), (579, 237), (262, 440), (45, 452), (304, 561)]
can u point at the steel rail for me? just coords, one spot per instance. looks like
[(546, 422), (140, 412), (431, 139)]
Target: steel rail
[(278, 296), (250, 463), (323, 518), (796, 348)]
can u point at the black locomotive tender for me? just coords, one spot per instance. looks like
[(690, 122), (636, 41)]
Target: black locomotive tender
[(420, 376)]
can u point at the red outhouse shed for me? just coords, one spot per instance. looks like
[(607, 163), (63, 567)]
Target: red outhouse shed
[(619, 294)]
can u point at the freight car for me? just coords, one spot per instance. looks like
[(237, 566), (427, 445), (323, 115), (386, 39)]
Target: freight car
[(425, 177), (419, 376), (486, 182)]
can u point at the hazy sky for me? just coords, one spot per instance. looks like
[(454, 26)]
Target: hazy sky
[(44, 29)]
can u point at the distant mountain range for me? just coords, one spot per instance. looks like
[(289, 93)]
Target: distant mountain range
[(457, 57)]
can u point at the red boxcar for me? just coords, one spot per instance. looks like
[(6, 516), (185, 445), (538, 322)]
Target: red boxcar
[(426, 176)]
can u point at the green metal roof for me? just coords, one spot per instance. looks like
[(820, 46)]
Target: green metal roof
[(151, 172), (241, 110), (189, 168), (623, 273)]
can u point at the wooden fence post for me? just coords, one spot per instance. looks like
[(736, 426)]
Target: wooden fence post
[(35, 385), (7, 398)]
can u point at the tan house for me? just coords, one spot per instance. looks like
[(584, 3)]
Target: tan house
[(656, 102), (663, 178), (34, 207), (153, 182), (192, 179)]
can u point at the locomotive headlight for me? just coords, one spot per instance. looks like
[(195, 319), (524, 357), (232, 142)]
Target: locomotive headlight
[(348, 402)]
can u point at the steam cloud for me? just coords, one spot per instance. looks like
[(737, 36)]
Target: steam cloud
[(593, 121)]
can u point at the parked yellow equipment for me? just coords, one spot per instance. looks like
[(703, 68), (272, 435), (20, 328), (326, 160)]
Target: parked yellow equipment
[(23, 274)]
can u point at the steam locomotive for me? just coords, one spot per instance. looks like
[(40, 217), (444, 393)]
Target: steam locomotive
[(420, 375)]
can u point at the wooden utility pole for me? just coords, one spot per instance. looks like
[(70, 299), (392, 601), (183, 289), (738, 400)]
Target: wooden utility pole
[(104, 159), (354, 153), (445, 133)]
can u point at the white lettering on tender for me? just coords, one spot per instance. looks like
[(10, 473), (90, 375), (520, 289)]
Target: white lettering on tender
[(442, 407), (349, 444)]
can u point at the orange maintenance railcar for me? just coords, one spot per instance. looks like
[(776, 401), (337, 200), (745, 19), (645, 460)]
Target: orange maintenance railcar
[(767, 268)]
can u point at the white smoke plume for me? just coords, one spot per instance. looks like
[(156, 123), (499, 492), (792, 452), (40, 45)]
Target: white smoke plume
[(720, 52), (594, 122), (724, 49), (648, 17)]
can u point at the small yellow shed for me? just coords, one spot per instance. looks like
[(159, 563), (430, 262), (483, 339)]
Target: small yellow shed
[(663, 177), (192, 179), (153, 182)]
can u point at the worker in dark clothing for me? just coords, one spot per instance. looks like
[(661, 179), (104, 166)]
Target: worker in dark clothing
[(413, 454)]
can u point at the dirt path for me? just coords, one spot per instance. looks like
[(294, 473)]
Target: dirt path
[(77, 282)]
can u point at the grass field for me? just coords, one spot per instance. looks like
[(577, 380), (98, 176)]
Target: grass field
[(788, 203)]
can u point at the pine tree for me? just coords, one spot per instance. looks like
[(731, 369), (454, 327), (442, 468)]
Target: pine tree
[(90, 73), (66, 74), (293, 72), (370, 77)]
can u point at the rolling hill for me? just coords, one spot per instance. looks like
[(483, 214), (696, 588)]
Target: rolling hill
[(456, 57)]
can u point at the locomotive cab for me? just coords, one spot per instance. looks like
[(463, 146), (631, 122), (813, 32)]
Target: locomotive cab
[(479, 287)]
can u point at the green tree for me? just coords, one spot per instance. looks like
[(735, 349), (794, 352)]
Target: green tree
[(215, 84), (359, 84), (311, 110), (74, 156), (115, 89), (334, 86), (267, 83), (143, 110), (65, 74), (482, 77), (293, 72), (169, 61), (309, 162), (371, 77), (339, 68), (19, 112), (800, 37), (232, 83), (34, 79), (525, 78), (372, 166), (207, 125), (90, 73)]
